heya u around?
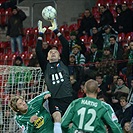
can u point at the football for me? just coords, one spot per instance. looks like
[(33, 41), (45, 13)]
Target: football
[(49, 13)]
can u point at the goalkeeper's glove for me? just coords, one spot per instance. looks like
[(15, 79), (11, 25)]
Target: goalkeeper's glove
[(54, 25), (41, 30)]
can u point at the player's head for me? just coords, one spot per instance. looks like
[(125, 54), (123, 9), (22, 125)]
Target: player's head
[(91, 87), (53, 55), (18, 104), (14, 10)]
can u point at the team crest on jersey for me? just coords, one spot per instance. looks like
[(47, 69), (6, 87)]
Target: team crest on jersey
[(39, 122)]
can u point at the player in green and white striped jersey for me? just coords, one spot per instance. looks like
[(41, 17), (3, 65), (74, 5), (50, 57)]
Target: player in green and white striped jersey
[(32, 117), (89, 115)]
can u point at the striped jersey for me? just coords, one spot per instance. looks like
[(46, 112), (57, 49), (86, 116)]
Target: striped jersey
[(88, 115), (42, 124)]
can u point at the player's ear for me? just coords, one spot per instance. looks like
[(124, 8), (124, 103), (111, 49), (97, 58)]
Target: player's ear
[(84, 90), (98, 90), (47, 57)]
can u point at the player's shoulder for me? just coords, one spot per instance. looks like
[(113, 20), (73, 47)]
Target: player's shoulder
[(18, 116), (76, 102), (106, 105)]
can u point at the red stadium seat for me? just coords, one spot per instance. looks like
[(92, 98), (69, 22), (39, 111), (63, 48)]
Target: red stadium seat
[(2, 61), (129, 36), (100, 2), (26, 56), (130, 5), (4, 46), (114, 13), (56, 41), (121, 37), (108, 2), (95, 9), (60, 48), (64, 29), (84, 39), (117, 2), (90, 40), (49, 34), (7, 59), (2, 1), (104, 2), (73, 27), (112, 7), (67, 37), (97, 15), (27, 44), (125, 1), (8, 13), (131, 1), (31, 44), (35, 32), (2, 17), (48, 39), (79, 21), (29, 33)]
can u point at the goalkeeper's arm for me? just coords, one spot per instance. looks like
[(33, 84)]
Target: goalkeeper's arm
[(63, 40), (41, 56)]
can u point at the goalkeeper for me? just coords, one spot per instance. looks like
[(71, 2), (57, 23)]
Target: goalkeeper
[(32, 117), (56, 74)]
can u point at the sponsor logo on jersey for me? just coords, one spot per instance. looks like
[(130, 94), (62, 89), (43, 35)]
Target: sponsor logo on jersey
[(22, 128), (114, 117), (39, 122), (57, 78)]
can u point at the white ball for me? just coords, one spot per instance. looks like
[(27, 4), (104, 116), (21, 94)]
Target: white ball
[(49, 13)]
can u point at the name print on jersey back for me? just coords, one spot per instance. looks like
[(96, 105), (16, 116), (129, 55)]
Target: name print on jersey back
[(91, 103)]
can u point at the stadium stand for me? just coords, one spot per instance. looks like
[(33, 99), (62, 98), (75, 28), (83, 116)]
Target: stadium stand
[(29, 42)]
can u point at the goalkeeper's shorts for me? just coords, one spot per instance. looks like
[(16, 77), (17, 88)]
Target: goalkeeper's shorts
[(59, 104)]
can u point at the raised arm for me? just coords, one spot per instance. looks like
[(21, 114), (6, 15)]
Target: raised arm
[(64, 42), (40, 99), (41, 56)]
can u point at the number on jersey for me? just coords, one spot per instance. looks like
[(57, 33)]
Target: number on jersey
[(88, 126)]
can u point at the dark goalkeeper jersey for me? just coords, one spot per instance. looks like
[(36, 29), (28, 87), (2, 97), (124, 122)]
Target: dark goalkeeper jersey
[(56, 74), (88, 114)]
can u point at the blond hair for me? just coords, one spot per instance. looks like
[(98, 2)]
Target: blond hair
[(91, 86), (13, 103)]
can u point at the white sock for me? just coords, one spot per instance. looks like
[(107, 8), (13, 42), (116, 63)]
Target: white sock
[(57, 127)]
